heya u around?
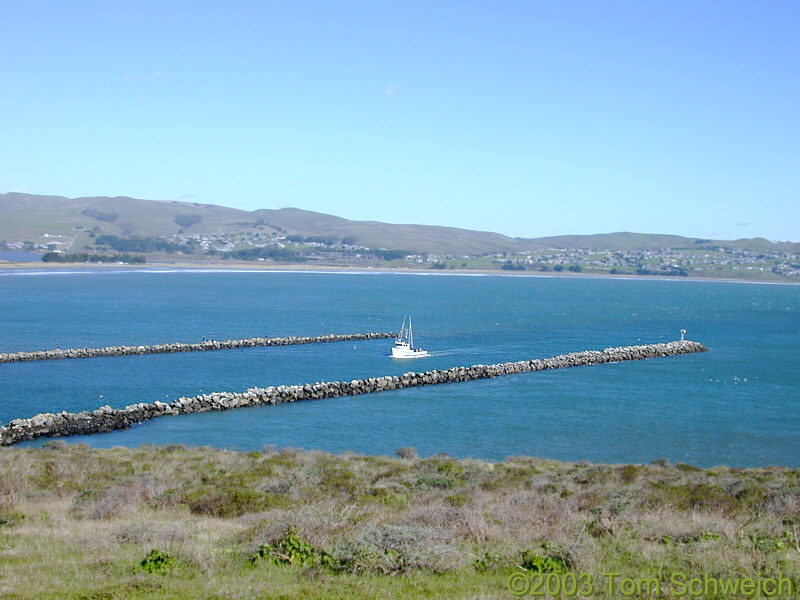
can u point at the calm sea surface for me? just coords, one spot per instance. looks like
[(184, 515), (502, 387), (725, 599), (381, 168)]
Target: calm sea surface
[(738, 404)]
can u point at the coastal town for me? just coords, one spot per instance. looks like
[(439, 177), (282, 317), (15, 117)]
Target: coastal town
[(705, 258)]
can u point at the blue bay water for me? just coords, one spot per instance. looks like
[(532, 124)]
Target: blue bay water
[(738, 404)]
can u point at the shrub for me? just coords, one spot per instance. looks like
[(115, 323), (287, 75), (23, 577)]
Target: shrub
[(457, 500), (11, 519), (593, 476), (293, 550), (232, 500), (748, 493), (629, 473), (407, 453), (686, 468), (491, 562), (435, 482), (619, 502), (542, 563), (338, 478), (391, 494), (158, 562), (397, 549), (769, 544), (450, 468), (693, 497)]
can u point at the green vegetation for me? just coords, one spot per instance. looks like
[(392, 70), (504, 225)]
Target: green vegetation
[(142, 244), (509, 266), (279, 254), (83, 257), (662, 273), (100, 216), (158, 562), (185, 220), (292, 550), (174, 522)]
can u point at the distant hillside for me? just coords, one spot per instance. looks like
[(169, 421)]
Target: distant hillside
[(30, 217), (374, 234), (623, 240), (66, 223)]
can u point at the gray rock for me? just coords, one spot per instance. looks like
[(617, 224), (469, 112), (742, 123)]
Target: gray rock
[(106, 418)]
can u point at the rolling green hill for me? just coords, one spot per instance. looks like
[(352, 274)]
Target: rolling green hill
[(623, 240), (39, 218), (68, 222)]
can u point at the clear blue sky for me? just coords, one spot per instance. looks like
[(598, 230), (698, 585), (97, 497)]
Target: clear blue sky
[(527, 118)]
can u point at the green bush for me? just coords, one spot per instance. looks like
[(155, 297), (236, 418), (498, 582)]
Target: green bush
[(491, 562), (339, 479), (389, 496), (158, 562), (688, 497), (11, 519), (394, 549), (687, 468), (449, 468), (435, 482), (770, 544), (629, 473), (457, 500), (551, 560), (409, 453), (233, 500), (538, 563), (293, 550)]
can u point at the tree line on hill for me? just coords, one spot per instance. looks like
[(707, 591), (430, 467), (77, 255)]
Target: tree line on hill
[(84, 257), (289, 255), (512, 266), (143, 244)]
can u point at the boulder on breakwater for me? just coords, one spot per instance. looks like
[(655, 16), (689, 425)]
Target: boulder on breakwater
[(106, 419), (181, 347)]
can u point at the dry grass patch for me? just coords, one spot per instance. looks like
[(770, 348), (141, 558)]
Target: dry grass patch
[(81, 523)]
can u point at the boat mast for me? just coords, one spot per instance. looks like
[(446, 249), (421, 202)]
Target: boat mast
[(401, 335), (410, 335)]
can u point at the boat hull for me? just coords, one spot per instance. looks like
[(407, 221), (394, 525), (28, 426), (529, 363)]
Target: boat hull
[(408, 353)]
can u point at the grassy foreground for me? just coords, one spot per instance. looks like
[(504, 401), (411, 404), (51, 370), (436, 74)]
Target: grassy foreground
[(174, 522)]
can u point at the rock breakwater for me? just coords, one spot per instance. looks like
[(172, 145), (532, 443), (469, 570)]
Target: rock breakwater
[(181, 347), (106, 419)]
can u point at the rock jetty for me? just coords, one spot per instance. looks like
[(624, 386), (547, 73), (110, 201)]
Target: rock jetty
[(106, 419), (181, 347)]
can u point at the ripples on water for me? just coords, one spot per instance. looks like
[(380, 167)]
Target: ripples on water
[(738, 404)]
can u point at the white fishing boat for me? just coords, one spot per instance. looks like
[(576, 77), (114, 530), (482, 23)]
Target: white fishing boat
[(404, 343)]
